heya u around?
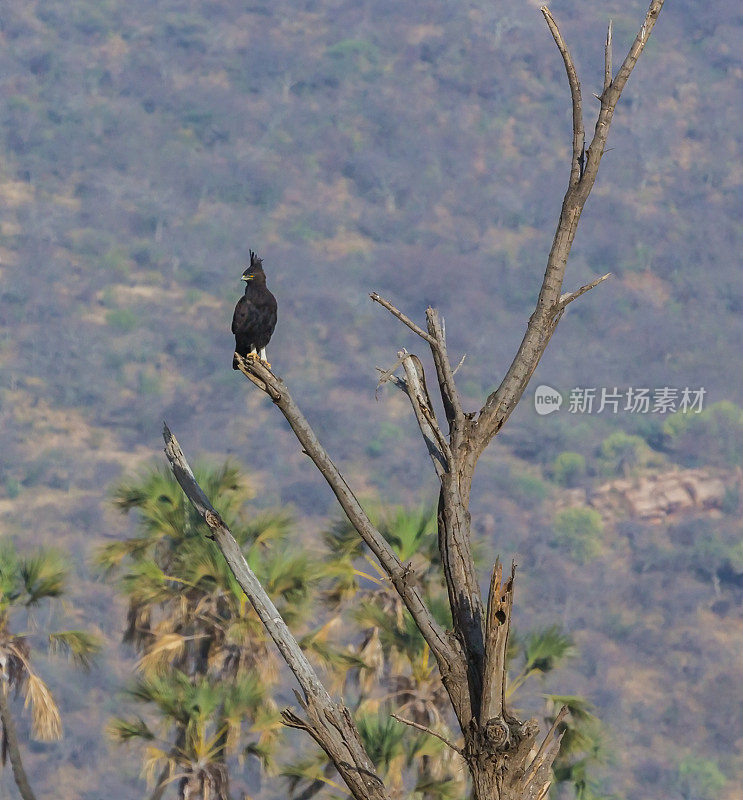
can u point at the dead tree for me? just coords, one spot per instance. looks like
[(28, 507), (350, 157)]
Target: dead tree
[(501, 752)]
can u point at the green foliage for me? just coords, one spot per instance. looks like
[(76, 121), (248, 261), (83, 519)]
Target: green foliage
[(80, 646), (545, 650), (383, 739), (524, 488), (206, 663), (27, 580), (699, 778), (568, 469), (713, 437), (583, 748), (122, 320), (116, 260), (12, 487), (379, 441), (623, 454), (540, 652), (578, 531)]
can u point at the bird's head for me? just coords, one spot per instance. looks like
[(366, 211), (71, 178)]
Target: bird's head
[(255, 270)]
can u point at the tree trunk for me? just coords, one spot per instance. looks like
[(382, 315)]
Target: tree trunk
[(11, 742), (462, 583), (501, 752)]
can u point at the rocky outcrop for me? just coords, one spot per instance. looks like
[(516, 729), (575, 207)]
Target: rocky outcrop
[(655, 498)]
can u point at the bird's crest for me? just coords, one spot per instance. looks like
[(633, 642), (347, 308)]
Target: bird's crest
[(255, 262)]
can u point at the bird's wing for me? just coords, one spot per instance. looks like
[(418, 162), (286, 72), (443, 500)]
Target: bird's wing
[(273, 308), (244, 310)]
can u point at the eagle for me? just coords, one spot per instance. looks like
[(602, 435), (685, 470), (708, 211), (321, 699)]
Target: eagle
[(255, 314)]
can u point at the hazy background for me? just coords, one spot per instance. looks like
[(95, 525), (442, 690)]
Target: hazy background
[(419, 150)]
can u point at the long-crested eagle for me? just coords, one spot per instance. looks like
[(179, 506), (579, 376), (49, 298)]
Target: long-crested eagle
[(255, 314)]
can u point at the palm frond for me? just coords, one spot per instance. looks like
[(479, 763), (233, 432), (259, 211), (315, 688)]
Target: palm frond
[(545, 650), (161, 653), (411, 532), (155, 758), (382, 737), (46, 723), (80, 646), (110, 556), (124, 730), (10, 588), (43, 575)]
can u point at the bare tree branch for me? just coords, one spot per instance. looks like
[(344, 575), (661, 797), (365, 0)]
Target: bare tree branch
[(339, 739), (537, 774), (611, 95), (435, 338), (607, 60), (438, 447), (570, 296), (388, 376), (449, 392), (405, 320), (498, 623), (448, 656), (428, 731), (503, 400), (579, 137)]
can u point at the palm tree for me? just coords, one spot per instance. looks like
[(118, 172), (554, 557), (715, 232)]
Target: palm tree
[(26, 582), (389, 669), (392, 654), (207, 719), (583, 748), (189, 620)]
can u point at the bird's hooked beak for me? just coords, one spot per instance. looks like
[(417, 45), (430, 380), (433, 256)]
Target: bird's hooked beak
[(247, 277)]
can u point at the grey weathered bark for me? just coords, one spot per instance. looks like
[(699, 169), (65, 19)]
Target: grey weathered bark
[(500, 750), (329, 723), (11, 742)]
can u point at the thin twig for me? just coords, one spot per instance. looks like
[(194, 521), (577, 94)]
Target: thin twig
[(570, 296), (428, 731), (579, 138), (461, 361), (405, 320), (386, 375)]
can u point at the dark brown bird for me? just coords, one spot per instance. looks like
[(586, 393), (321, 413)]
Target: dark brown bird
[(254, 319)]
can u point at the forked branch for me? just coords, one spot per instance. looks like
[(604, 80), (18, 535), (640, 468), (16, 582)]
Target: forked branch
[(445, 649), (503, 400), (444, 373)]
